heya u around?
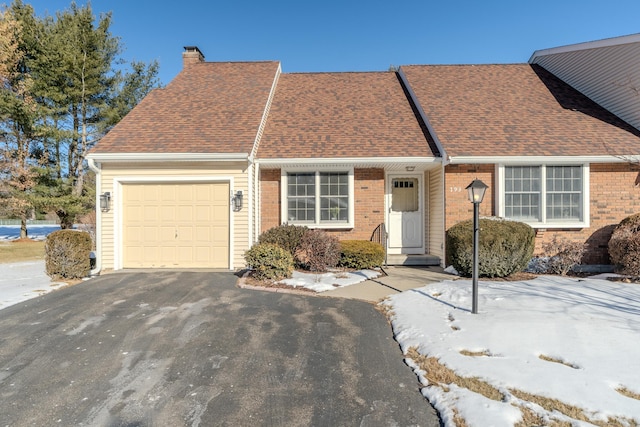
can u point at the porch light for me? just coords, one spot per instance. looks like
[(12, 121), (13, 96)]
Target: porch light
[(105, 201), (476, 191), (410, 168), (236, 201)]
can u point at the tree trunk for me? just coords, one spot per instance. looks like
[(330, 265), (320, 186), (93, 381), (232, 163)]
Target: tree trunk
[(23, 227), (66, 222)]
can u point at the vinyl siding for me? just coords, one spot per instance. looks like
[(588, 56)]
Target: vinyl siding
[(112, 172)]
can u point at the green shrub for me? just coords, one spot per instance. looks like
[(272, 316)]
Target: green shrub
[(286, 236), (505, 247), (624, 246), (67, 254), (359, 254), (318, 251), (269, 261), (562, 255)]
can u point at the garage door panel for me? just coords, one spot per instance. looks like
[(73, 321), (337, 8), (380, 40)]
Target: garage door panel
[(175, 225)]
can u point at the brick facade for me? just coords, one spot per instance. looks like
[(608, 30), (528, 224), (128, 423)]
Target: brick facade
[(369, 202), (614, 195)]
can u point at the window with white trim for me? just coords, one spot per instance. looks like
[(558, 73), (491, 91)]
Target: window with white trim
[(318, 199), (549, 195)]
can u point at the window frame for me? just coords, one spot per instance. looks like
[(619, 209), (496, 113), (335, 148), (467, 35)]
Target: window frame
[(318, 223), (543, 222)]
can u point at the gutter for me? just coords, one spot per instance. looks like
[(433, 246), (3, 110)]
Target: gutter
[(95, 167)]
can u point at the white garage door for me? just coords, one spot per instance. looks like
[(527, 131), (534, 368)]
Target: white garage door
[(175, 225)]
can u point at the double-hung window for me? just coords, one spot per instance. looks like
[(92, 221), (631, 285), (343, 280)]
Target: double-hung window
[(318, 199), (545, 195)]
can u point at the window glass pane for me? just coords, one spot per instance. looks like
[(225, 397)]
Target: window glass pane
[(564, 193), (301, 197), (522, 193), (331, 193), (334, 196)]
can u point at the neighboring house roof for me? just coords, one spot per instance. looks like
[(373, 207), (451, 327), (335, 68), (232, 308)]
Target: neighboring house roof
[(607, 71), (514, 110), (342, 115), (210, 107)]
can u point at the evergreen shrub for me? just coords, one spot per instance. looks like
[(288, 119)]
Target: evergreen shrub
[(359, 254), (624, 246), (505, 247), (67, 254), (269, 261)]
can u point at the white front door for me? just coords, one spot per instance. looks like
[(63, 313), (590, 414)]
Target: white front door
[(405, 207)]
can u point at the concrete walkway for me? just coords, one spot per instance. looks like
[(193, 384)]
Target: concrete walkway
[(398, 279)]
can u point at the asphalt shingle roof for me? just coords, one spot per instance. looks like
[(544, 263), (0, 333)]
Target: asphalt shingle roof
[(515, 110), (210, 107), (337, 115)]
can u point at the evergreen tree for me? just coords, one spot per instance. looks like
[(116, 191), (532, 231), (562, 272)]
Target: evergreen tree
[(19, 121), (79, 92)]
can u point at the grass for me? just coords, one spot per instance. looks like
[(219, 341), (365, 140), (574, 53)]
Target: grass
[(571, 411), (560, 361), (626, 392), (21, 250), (441, 376)]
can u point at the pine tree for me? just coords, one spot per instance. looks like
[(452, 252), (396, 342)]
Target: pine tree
[(19, 119)]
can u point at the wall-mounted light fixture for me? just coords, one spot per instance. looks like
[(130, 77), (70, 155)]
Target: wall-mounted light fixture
[(105, 201), (236, 201)]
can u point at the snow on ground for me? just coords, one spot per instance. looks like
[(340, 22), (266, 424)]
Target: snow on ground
[(24, 280), (588, 328), (35, 232), (21, 281), (328, 281)]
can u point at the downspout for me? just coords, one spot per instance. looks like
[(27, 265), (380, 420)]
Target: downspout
[(256, 178), (250, 188), (98, 233)]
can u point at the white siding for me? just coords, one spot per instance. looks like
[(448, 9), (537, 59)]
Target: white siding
[(435, 213), (111, 172), (609, 75)]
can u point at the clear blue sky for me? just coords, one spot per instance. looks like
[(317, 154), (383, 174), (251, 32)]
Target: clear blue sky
[(346, 35)]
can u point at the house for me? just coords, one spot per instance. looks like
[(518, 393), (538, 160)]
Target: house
[(227, 150)]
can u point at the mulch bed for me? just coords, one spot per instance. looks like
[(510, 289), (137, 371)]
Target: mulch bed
[(252, 281)]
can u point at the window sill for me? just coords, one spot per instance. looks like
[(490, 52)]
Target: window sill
[(324, 226), (556, 225)]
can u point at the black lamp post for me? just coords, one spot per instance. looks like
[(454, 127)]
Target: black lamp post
[(476, 191)]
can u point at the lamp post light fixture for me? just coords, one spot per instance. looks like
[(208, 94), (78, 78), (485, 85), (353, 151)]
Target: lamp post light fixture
[(476, 191)]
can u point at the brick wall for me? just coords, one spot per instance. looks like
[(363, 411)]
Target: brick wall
[(457, 178), (369, 202), (614, 195), (269, 199)]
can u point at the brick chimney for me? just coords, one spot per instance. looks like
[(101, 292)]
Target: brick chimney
[(191, 55)]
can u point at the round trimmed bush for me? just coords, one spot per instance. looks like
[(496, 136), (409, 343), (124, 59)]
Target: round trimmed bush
[(624, 246), (505, 247), (359, 254), (269, 261), (67, 254)]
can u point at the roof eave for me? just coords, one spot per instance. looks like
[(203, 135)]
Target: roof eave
[(166, 157), (543, 159), (614, 41), (388, 163)]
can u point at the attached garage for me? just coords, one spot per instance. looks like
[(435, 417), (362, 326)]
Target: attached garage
[(175, 225)]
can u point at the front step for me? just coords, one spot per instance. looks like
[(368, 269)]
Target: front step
[(404, 259)]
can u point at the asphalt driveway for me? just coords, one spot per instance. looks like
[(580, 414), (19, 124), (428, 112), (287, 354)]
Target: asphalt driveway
[(192, 349)]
